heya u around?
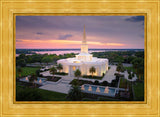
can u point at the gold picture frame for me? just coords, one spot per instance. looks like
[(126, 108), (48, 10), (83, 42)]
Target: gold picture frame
[(149, 107)]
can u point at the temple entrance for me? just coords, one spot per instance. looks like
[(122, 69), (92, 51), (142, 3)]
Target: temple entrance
[(72, 69)]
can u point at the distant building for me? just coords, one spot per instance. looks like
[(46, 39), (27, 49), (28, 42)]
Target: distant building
[(84, 61)]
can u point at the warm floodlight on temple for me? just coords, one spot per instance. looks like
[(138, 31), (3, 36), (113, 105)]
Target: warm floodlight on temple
[(84, 61)]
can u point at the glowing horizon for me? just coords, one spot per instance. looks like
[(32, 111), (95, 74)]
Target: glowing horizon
[(62, 32)]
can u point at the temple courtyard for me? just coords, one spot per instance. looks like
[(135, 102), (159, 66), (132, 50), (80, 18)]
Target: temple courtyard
[(63, 85)]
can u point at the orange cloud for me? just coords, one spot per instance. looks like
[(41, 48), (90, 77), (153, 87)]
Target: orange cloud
[(50, 43), (115, 44)]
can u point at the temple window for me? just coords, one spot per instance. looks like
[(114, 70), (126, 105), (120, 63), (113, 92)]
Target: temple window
[(74, 68)]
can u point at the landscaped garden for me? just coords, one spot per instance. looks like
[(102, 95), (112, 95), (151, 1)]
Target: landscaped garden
[(29, 91), (92, 77), (61, 73), (114, 83), (51, 78), (80, 82)]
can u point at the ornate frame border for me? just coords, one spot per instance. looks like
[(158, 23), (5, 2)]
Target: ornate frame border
[(10, 8)]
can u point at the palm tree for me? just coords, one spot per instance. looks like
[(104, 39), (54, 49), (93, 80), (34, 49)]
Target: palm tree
[(53, 70), (19, 71), (32, 79), (138, 65), (92, 70), (74, 94), (140, 72), (77, 73), (59, 67), (75, 82), (118, 68), (135, 65)]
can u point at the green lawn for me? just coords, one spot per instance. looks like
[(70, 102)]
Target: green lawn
[(36, 94), (28, 71), (123, 83), (130, 68), (52, 96), (133, 70), (139, 91)]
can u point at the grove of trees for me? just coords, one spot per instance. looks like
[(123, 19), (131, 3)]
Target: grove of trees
[(132, 57)]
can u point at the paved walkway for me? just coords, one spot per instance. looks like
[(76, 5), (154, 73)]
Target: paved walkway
[(63, 85), (109, 76), (126, 76)]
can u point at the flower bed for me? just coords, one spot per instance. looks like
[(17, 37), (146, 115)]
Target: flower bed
[(50, 78), (61, 73), (94, 77)]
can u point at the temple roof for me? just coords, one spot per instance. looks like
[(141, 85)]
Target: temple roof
[(84, 54)]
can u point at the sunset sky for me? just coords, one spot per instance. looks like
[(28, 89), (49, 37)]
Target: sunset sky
[(54, 32)]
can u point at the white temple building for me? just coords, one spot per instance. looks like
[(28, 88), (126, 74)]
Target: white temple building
[(84, 61)]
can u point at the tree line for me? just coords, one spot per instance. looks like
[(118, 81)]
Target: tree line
[(24, 59)]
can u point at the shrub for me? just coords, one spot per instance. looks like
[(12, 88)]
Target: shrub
[(37, 72), (74, 82), (50, 78), (104, 83), (129, 71), (40, 75), (61, 73), (90, 76), (21, 63), (96, 82), (81, 82), (117, 78), (103, 74), (119, 75), (113, 83), (74, 94), (129, 76)]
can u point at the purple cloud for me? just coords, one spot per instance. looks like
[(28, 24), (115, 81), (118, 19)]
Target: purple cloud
[(64, 37), (135, 19), (40, 33), (104, 29)]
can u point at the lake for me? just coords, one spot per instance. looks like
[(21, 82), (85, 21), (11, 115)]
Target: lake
[(62, 52), (65, 51)]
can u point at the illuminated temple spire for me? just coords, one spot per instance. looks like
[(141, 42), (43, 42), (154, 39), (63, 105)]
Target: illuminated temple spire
[(84, 46), (84, 36)]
